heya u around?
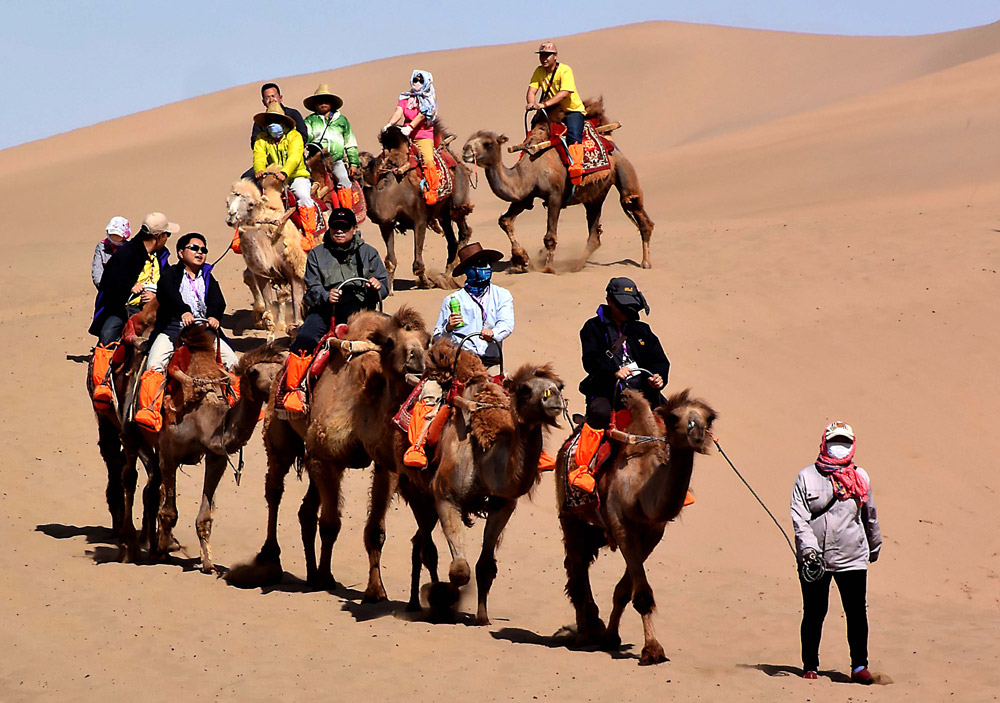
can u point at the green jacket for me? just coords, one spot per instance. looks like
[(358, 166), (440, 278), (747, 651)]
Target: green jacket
[(333, 134)]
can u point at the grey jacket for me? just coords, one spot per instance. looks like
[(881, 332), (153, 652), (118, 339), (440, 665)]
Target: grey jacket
[(847, 536), (101, 256), (328, 265)]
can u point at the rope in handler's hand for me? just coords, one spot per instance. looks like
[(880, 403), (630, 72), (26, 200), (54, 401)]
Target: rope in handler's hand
[(811, 568)]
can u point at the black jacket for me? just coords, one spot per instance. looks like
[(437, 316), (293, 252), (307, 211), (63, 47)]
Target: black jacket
[(300, 126), (120, 274), (598, 337), (172, 306)]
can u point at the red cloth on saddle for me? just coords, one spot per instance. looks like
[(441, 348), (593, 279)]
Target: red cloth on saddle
[(444, 162), (596, 149)]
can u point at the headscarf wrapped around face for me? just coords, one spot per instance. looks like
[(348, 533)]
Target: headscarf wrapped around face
[(424, 99), (477, 279), (836, 460)]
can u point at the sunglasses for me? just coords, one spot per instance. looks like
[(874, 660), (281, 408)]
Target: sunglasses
[(197, 249), (545, 54)]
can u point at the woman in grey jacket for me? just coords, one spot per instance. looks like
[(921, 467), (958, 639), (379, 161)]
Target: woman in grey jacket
[(836, 526)]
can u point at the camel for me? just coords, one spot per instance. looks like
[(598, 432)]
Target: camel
[(486, 459), (544, 176), (199, 423), (272, 248), (640, 492), (395, 203)]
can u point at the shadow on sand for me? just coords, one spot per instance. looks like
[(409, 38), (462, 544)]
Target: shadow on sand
[(835, 676), (564, 638)]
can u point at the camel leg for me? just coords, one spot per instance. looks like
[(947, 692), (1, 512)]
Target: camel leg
[(419, 270), (298, 294), (271, 311), (630, 196), (109, 441), (486, 567), (519, 260), (582, 542), (327, 478), (459, 573), (551, 231), (448, 227), (593, 230), (308, 523), (128, 538), (623, 594), (383, 488), (282, 446), (424, 552), (167, 515), (215, 467), (635, 549), (150, 498), (389, 237), (258, 299)]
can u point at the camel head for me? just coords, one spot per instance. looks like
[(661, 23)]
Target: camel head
[(483, 148), (403, 339), (536, 395), (688, 421), (258, 369), (243, 198)]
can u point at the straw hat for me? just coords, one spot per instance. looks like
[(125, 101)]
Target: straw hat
[(475, 255), (274, 113), (323, 91)]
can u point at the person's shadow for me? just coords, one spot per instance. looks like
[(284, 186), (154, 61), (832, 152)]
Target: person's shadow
[(835, 676)]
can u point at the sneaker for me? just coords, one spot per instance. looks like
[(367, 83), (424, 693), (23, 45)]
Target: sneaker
[(862, 676), (811, 675)]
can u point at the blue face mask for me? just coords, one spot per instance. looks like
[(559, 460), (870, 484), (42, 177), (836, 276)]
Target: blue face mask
[(275, 130), (477, 278)]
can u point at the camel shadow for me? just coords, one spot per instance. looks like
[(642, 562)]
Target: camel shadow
[(95, 534), (620, 262), (784, 670), (239, 321), (245, 344), (564, 638), (78, 358)]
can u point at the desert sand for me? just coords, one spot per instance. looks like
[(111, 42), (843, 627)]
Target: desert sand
[(827, 213)]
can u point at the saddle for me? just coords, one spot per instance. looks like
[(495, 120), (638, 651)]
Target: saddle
[(596, 149), (444, 161), (181, 361), (575, 499), (329, 187), (291, 202)]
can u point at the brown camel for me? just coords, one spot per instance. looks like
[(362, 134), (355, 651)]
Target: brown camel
[(486, 459), (640, 492), (544, 176), (396, 203), (272, 248), (199, 423)]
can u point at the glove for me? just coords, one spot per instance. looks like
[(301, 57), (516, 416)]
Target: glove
[(873, 556), (406, 130), (386, 127)]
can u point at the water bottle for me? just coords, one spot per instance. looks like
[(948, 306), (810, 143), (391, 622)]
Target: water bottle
[(456, 309)]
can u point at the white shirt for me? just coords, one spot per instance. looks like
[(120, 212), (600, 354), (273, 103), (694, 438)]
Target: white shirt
[(193, 293), (494, 311)]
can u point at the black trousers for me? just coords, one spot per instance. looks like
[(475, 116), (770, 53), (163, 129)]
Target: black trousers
[(313, 329), (815, 603)]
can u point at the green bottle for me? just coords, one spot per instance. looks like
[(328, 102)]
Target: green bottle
[(456, 309)]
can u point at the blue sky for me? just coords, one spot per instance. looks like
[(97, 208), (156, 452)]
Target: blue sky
[(108, 58)]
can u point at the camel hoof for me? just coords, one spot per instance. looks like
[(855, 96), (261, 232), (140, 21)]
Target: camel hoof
[(647, 265), (209, 568), (323, 582), (548, 269), (442, 597), (611, 641), (482, 621), (459, 574), (377, 597), (413, 607), (652, 654)]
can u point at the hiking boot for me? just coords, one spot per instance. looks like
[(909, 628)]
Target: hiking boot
[(811, 675), (862, 676), (148, 416)]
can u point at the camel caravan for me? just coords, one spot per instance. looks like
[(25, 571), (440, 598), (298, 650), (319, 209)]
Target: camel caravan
[(428, 410)]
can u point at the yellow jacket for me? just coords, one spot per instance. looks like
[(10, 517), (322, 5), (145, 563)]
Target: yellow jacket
[(288, 152)]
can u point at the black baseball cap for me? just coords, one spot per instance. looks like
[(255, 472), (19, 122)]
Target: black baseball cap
[(342, 218), (624, 293)]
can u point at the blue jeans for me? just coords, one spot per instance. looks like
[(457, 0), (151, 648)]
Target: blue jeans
[(573, 121)]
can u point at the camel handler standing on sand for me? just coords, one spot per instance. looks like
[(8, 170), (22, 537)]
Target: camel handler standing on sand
[(128, 282), (837, 535), (615, 346), (280, 143), (329, 129), (479, 308), (343, 255), (553, 84)]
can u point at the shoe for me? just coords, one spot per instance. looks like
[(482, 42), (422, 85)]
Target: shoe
[(811, 675), (862, 676), (581, 478)]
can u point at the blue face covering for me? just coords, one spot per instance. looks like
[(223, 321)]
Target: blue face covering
[(275, 130), (477, 279)]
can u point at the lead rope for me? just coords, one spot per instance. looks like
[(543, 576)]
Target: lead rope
[(238, 468), (811, 569)]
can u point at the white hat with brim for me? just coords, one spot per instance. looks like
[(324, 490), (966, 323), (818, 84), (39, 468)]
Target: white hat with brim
[(839, 430), (323, 95), (273, 113), (157, 223)]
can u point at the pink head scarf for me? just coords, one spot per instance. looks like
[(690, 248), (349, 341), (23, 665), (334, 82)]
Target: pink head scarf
[(847, 482)]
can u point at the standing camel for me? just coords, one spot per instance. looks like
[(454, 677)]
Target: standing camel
[(199, 422), (272, 248), (486, 459), (395, 202), (543, 176), (640, 492)]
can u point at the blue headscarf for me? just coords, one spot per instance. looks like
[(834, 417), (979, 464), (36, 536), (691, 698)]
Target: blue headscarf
[(426, 100), (477, 279)]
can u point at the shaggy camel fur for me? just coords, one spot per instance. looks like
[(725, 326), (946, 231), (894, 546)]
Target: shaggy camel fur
[(200, 423), (396, 203), (486, 459), (640, 493), (273, 256), (544, 176)]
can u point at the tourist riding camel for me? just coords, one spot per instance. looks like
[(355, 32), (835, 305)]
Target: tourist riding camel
[(553, 84), (344, 255), (330, 130), (115, 234), (617, 348), (187, 292), (127, 283), (416, 111), (280, 143), (271, 93), (478, 317)]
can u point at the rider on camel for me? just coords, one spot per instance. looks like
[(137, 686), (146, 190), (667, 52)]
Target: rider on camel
[(417, 109), (553, 84), (127, 283), (280, 143), (329, 129), (615, 346), (187, 292), (483, 309), (116, 234), (343, 255)]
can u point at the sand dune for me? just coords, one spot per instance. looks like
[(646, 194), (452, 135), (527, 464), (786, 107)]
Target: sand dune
[(826, 246)]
